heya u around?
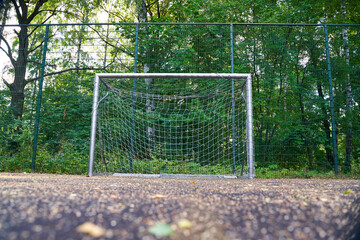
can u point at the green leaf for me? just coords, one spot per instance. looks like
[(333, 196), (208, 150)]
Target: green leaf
[(161, 230), (347, 191)]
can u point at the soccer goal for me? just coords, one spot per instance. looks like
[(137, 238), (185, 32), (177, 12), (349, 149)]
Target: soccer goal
[(197, 124)]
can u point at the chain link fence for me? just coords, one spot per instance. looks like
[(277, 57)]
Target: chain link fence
[(306, 88)]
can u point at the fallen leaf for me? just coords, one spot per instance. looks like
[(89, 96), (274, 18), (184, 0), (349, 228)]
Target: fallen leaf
[(347, 191), (161, 230), (321, 199), (193, 182), (304, 203), (158, 196), (91, 229), (184, 224), (267, 200)]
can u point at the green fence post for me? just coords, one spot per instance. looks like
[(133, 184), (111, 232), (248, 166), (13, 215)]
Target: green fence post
[(133, 99), (333, 125), (38, 107)]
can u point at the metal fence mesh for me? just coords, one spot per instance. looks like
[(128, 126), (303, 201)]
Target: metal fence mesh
[(294, 132)]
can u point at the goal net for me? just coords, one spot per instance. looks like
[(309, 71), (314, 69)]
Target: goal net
[(172, 123)]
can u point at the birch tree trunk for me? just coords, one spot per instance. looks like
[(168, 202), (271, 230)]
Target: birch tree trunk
[(78, 57), (149, 82), (348, 95)]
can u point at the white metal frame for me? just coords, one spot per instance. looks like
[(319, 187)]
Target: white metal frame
[(249, 109)]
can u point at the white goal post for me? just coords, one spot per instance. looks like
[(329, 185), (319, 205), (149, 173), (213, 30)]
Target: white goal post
[(247, 98)]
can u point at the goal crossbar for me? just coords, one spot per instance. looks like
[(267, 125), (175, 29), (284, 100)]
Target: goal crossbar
[(174, 75), (232, 76)]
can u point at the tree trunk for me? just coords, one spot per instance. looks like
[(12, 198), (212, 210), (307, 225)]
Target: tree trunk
[(348, 113), (304, 122), (150, 108), (78, 57), (85, 19), (106, 45), (326, 125), (18, 86), (150, 103), (325, 116)]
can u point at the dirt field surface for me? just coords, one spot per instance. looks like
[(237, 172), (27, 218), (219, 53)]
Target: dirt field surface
[(41, 206)]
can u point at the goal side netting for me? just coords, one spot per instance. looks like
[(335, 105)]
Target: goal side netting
[(172, 123)]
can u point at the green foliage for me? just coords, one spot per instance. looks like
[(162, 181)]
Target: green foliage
[(290, 83), (263, 172), (161, 230), (68, 160)]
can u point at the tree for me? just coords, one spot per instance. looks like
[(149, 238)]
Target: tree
[(349, 98), (290, 83), (26, 13)]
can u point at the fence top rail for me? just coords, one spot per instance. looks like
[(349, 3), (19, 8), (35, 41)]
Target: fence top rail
[(174, 75), (191, 23)]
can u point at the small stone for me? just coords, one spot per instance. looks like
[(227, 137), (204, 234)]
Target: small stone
[(72, 196), (37, 228), (322, 234)]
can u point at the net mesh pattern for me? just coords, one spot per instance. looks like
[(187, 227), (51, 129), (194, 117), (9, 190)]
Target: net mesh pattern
[(171, 126)]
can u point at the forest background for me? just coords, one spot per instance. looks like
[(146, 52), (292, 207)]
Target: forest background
[(295, 135)]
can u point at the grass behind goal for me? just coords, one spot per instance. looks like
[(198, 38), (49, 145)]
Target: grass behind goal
[(171, 124)]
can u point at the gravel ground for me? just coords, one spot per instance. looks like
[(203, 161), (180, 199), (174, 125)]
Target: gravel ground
[(42, 206)]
